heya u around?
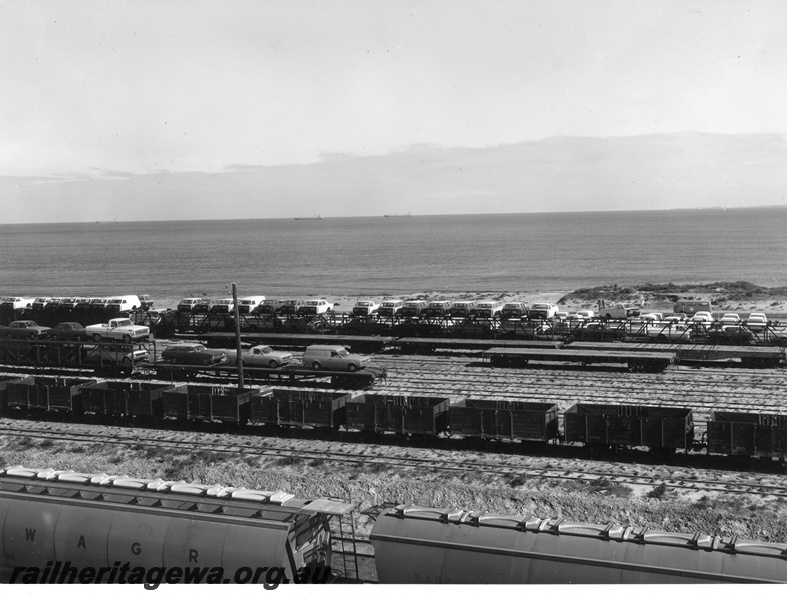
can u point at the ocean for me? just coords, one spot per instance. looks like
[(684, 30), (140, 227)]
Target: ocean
[(392, 256)]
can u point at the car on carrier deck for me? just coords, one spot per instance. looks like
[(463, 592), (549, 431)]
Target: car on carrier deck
[(17, 302), (113, 355), (316, 306), (249, 304), (462, 309), (121, 304), (40, 303), (147, 302), (333, 358), (390, 308), (664, 330), (191, 353), (514, 310), (730, 334), (260, 356), (702, 316), (269, 307), (488, 309), (223, 306), (24, 330), (66, 331), (583, 315), (188, 304), (543, 310), (204, 306), (99, 303), (365, 308), (757, 321), (290, 307), (414, 308), (439, 308)]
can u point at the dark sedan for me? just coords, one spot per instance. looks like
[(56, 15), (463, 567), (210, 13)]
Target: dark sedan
[(66, 331), (730, 335), (24, 330), (193, 354)]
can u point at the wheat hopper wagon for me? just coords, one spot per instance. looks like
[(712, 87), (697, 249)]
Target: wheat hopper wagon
[(98, 520), (414, 544)]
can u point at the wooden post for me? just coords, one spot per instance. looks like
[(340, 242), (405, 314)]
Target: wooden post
[(237, 335)]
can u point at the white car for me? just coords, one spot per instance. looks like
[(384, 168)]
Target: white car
[(583, 315), (261, 356), (318, 306), (757, 321), (543, 310), (676, 318), (654, 316), (665, 330), (365, 308), (702, 316), (17, 302), (223, 306), (730, 319), (249, 304)]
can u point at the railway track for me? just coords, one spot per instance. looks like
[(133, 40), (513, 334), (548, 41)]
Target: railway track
[(383, 455), (720, 390)]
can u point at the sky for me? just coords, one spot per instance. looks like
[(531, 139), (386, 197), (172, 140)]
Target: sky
[(195, 109)]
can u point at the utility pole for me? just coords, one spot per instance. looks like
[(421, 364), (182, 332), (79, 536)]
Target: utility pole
[(237, 335)]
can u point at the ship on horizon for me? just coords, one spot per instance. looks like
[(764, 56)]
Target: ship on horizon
[(399, 215), (314, 218)]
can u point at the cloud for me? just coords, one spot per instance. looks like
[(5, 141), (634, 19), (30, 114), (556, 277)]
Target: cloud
[(680, 170)]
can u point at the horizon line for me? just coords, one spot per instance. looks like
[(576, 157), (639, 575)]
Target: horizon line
[(116, 221)]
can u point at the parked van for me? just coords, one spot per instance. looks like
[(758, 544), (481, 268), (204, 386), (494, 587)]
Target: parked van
[(692, 306), (333, 358), (249, 303), (123, 304), (488, 309), (390, 308)]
